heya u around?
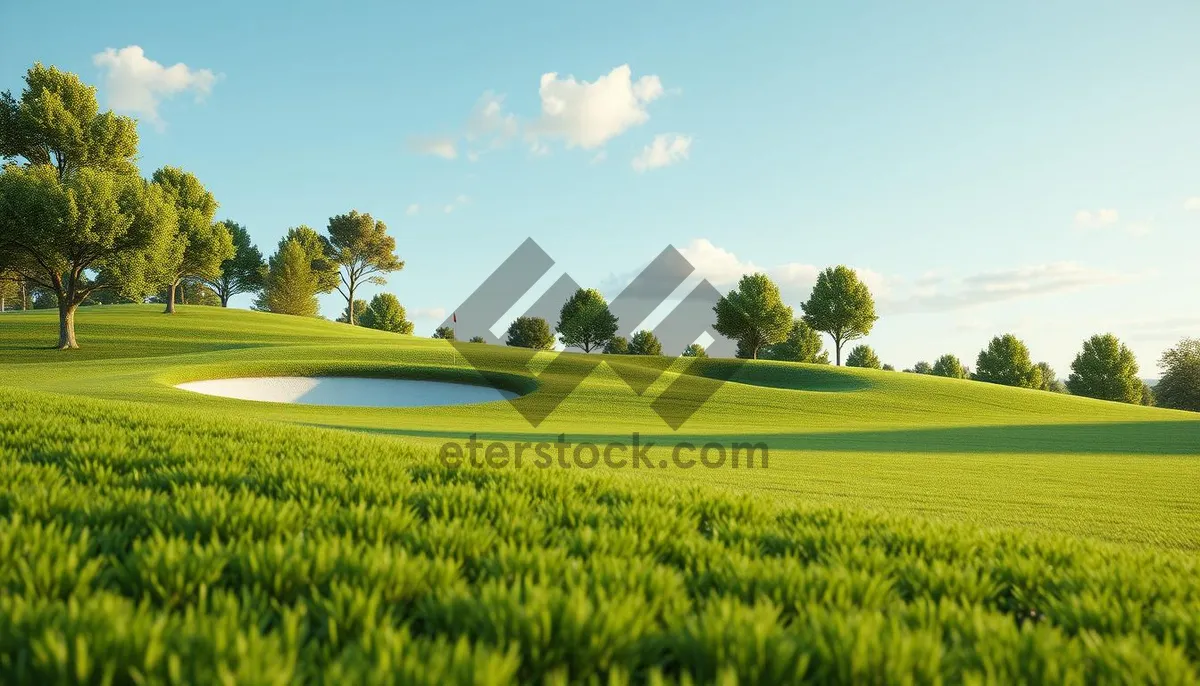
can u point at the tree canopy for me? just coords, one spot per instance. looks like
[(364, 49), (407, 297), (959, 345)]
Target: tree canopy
[(291, 283), (803, 344), (359, 247), (344, 317), (921, 367), (617, 345), (1048, 379), (75, 218), (949, 366), (1179, 387), (1006, 362), (695, 350), (386, 314), (840, 305), (242, 273), (1105, 369), (198, 246), (863, 356), (644, 342), (530, 332), (445, 333), (753, 314), (585, 321)]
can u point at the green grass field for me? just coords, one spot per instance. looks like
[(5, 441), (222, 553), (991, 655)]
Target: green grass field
[(907, 528)]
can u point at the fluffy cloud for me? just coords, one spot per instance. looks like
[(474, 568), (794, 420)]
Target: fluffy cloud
[(1005, 284), (489, 120), (1192, 204), (588, 114), (413, 209), (438, 146), (137, 84), (667, 149), (1089, 219), (435, 313)]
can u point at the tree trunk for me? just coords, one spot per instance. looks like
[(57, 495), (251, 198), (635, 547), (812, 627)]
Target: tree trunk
[(24, 297), (837, 346), (66, 326), (171, 298), (224, 300), (350, 306)]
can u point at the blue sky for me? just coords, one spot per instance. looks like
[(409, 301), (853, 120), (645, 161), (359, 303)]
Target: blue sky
[(1025, 166)]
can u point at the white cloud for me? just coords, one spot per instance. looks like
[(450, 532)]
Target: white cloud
[(1192, 204), (667, 149), (1003, 284), (413, 209), (135, 83), (488, 119), (1089, 219), (587, 114), (438, 146), (435, 313)]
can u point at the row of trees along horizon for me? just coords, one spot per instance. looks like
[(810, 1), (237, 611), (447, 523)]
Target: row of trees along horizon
[(79, 225)]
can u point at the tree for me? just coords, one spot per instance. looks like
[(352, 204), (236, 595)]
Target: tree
[(753, 314), (198, 246), (617, 345), (1179, 387), (585, 321), (1148, 398), (1106, 369), (359, 245), (803, 344), (841, 306), (242, 273), (445, 333), (291, 284), (1049, 380), (10, 291), (644, 342), (888, 368), (359, 306), (695, 350), (314, 251), (949, 366), (863, 356), (921, 367), (75, 218), (530, 332), (477, 339), (386, 314), (1006, 362)]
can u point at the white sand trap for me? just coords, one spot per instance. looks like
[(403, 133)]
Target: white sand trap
[(347, 391)]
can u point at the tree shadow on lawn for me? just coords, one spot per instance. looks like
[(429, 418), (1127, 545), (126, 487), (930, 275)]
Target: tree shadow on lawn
[(1135, 438)]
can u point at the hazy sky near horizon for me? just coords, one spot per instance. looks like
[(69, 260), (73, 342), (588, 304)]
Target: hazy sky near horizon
[(1020, 167)]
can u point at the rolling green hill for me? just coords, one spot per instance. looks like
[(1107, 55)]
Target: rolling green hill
[(906, 529)]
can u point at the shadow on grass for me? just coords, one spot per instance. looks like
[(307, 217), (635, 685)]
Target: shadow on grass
[(1135, 438)]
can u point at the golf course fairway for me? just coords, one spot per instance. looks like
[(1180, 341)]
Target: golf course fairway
[(904, 527)]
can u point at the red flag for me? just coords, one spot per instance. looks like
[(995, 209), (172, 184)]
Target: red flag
[(455, 316)]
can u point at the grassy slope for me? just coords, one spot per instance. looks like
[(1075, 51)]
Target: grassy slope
[(953, 449)]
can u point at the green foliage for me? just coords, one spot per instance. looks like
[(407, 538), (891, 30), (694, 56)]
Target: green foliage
[(1049, 380), (585, 321), (695, 350), (1106, 369), (344, 317), (753, 314), (385, 313), (245, 272), (291, 283), (1006, 362), (644, 342), (1179, 387), (360, 246), (530, 332), (313, 245), (841, 306), (477, 339), (863, 356), (949, 366), (444, 332), (803, 344), (1148, 398), (617, 345), (197, 247), (921, 367), (888, 368)]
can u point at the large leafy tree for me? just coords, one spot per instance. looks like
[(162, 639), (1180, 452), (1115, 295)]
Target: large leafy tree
[(386, 314), (361, 249), (950, 366), (242, 273), (75, 218), (199, 246), (840, 305), (1006, 362), (291, 283), (803, 344), (645, 343), (753, 314), (530, 332), (1179, 387), (585, 321), (863, 356), (313, 245), (1105, 369), (446, 333), (617, 345), (359, 306)]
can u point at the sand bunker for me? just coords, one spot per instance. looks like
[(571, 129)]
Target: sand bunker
[(347, 391)]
